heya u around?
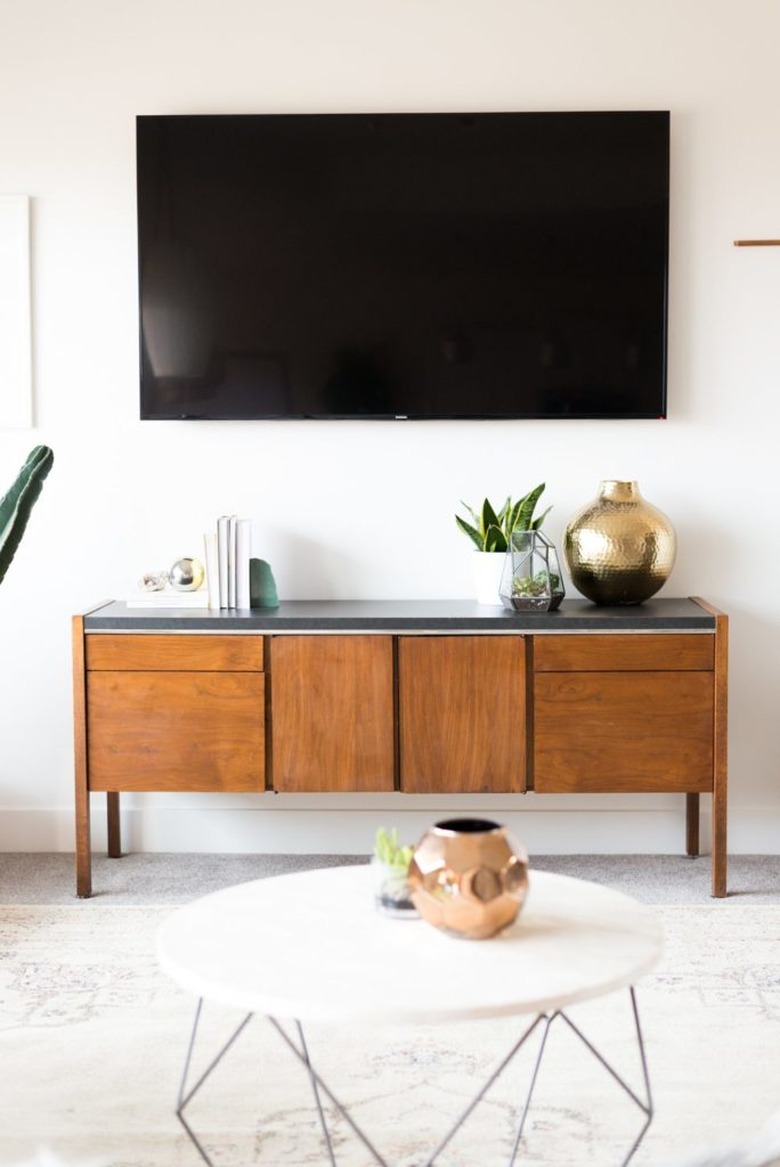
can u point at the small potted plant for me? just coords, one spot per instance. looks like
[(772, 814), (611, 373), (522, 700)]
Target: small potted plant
[(390, 863), (491, 532), (532, 580)]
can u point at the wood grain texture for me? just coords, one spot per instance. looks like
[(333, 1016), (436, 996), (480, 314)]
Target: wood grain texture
[(83, 844), (174, 653), (632, 653), (176, 731), (604, 713), (462, 713), (720, 747), (720, 763), (332, 713), (623, 732), (707, 606)]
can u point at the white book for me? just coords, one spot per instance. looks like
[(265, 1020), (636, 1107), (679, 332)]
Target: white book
[(222, 556), (169, 598), (243, 552), (212, 568), (232, 561)]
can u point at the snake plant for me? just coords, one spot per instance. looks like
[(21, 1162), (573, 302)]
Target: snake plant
[(491, 530), (16, 505)]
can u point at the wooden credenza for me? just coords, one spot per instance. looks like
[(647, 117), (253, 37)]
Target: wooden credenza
[(425, 697)]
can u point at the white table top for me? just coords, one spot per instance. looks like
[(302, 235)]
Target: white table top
[(312, 946)]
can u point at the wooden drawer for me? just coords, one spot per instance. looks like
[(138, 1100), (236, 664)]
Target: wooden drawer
[(332, 713), (617, 653), (192, 731), (605, 732), (174, 653), (462, 714)]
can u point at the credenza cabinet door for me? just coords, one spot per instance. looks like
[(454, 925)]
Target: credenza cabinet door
[(175, 713), (332, 713), (462, 714), (617, 714)]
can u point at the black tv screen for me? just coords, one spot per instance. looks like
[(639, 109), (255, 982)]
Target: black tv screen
[(489, 265)]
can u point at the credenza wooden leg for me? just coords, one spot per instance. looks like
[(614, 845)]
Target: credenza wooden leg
[(692, 824), (719, 854), (720, 760), (719, 888), (83, 846), (114, 829)]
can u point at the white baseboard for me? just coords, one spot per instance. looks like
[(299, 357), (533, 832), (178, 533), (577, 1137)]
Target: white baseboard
[(310, 824)]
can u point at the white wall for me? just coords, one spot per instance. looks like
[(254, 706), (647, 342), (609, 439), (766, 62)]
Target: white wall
[(365, 509)]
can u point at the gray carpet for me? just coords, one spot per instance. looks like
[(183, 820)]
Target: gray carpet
[(94, 1034), (46, 878)]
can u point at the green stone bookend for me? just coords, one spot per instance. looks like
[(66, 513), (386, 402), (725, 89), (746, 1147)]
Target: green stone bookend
[(262, 585)]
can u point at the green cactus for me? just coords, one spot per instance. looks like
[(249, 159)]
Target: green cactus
[(15, 506), (389, 851)]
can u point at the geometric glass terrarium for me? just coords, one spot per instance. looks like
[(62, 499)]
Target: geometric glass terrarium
[(531, 580)]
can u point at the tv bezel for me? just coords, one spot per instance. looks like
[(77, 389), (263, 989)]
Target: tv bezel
[(148, 413)]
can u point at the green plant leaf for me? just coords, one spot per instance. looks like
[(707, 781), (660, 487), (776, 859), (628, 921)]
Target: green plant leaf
[(512, 518), (491, 530), (527, 508), (489, 518), (472, 512), (495, 539), (472, 532), (17, 503), (390, 851), (538, 522)]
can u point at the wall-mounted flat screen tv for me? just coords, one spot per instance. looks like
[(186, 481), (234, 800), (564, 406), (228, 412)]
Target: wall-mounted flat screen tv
[(423, 265)]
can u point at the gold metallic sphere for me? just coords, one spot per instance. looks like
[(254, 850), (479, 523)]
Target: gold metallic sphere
[(469, 877), (187, 575), (619, 549)]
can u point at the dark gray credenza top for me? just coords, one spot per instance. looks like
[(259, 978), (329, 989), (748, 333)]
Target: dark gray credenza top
[(411, 616)]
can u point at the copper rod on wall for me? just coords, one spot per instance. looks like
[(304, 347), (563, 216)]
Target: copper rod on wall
[(757, 242)]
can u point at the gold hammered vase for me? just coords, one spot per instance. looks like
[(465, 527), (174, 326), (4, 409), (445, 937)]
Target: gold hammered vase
[(619, 549), (469, 877)]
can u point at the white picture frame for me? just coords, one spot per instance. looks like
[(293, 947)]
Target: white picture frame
[(16, 394)]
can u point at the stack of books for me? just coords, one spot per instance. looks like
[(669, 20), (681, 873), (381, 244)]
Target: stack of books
[(228, 550)]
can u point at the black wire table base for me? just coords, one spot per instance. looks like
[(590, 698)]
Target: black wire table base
[(542, 1022)]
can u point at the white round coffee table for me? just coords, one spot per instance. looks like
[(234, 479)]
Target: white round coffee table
[(311, 947)]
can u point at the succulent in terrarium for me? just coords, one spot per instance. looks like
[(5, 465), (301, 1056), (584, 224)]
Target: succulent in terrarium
[(531, 580)]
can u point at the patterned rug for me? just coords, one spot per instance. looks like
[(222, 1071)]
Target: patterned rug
[(93, 1038)]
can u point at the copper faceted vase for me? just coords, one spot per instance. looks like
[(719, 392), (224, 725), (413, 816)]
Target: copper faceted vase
[(469, 877), (619, 549)]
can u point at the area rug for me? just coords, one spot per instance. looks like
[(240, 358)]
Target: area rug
[(93, 1038)]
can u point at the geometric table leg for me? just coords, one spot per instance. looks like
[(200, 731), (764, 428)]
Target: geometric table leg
[(548, 1020), (319, 1086), (315, 1087), (460, 1120), (645, 1105), (185, 1098)]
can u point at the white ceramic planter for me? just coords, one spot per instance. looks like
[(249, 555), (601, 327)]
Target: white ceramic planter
[(488, 569)]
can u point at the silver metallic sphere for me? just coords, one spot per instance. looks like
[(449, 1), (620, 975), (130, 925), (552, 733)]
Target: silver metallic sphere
[(187, 575)]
